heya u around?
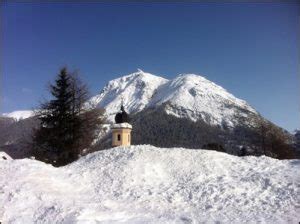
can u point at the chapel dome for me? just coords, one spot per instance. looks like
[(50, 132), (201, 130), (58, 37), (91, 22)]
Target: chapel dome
[(122, 117)]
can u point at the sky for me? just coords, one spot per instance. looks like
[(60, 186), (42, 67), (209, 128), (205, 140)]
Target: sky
[(250, 49)]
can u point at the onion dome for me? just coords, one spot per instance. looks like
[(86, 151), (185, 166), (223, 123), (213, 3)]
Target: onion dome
[(122, 117)]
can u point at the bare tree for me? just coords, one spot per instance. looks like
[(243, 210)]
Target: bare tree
[(272, 140)]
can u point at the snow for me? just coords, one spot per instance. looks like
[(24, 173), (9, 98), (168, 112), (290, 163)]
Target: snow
[(187, 95), (4, 156), (145, 184), (194, 96), (122, 125), (20, 114), (135, 90)]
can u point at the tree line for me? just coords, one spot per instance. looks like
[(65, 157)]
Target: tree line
[(253, 135)]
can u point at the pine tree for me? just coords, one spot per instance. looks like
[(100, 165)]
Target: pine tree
[(65, 127)]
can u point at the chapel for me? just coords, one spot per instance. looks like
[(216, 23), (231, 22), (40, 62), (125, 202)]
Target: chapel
[(121, 130)]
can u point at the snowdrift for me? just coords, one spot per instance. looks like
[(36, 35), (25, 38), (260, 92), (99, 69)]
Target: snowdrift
[(145, 184)]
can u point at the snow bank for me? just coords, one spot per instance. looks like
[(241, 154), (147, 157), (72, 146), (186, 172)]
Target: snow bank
[(145, 184)]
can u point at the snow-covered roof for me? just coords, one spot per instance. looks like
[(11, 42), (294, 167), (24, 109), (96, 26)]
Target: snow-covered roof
[(121, 125), (4, 156)]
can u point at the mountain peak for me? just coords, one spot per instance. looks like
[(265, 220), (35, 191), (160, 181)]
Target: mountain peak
[(136, 89), (188, 95), (138, 75), (140, 70)]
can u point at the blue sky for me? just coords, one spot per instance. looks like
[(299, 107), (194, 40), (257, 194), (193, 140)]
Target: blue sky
[(251, 49)]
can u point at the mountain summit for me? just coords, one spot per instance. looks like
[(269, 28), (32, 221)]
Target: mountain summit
[(186, 96), (136, 91)]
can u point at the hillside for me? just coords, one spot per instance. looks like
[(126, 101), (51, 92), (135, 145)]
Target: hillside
[(145, 184), (15, 136)]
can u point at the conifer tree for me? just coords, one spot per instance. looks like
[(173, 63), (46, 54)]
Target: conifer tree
[(65, 127)]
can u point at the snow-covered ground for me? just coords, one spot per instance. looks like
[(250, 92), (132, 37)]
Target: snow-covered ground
[(145, 184)]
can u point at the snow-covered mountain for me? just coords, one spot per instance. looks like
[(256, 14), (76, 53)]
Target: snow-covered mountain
[(188, 95), (145, 184), (135, 90), (19, 115)]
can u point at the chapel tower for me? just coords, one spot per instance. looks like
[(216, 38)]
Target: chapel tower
[(121, 130)]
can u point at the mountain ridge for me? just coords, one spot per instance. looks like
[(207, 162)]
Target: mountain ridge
[(189, 95), (192, 96), (19, 114)]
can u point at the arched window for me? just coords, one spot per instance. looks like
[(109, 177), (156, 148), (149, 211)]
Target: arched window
[(119, 137)]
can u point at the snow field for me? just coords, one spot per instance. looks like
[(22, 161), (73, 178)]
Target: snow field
[(145, 184)]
